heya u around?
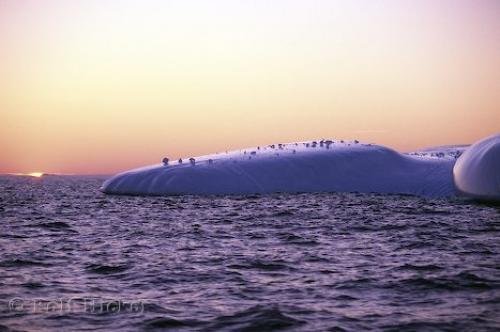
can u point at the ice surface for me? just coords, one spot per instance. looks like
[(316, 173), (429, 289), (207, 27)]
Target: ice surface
[(315, 166), (477, 171)]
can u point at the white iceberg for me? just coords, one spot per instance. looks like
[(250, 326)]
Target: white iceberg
[(477, 171), (322, 166)]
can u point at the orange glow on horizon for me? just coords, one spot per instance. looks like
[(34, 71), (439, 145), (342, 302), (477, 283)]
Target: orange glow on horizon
[(35, 174), (95, 87)]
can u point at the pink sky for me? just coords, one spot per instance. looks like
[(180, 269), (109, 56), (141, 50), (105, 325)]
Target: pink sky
[(102, 86)]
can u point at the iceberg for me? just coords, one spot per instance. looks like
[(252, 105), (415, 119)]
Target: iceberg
[(314, 166), (477, 171)]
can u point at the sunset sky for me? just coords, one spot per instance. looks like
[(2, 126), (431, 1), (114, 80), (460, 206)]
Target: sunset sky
[(102, 86)]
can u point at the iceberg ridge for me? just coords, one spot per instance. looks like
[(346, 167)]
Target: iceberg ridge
[(315, 166), (477, 171)]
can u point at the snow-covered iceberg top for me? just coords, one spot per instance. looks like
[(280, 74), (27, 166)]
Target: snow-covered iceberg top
[(315, 166), (477, 171)]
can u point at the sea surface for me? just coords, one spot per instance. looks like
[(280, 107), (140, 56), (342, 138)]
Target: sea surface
[(73, 258)]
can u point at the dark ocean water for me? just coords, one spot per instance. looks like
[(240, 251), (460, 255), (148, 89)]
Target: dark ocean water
[(72, 258)]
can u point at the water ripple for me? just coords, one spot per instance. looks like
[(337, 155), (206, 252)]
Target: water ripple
[(302, 262)]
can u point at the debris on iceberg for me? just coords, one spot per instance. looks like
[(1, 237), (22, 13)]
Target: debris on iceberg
[(477, 171), (314, 166)]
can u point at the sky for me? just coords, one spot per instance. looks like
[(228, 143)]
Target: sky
[(99, 86)]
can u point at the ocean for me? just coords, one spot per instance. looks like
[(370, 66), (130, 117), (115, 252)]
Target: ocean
[(73, 258)]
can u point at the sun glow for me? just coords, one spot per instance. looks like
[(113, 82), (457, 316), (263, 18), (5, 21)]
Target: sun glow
[(35, 174)]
